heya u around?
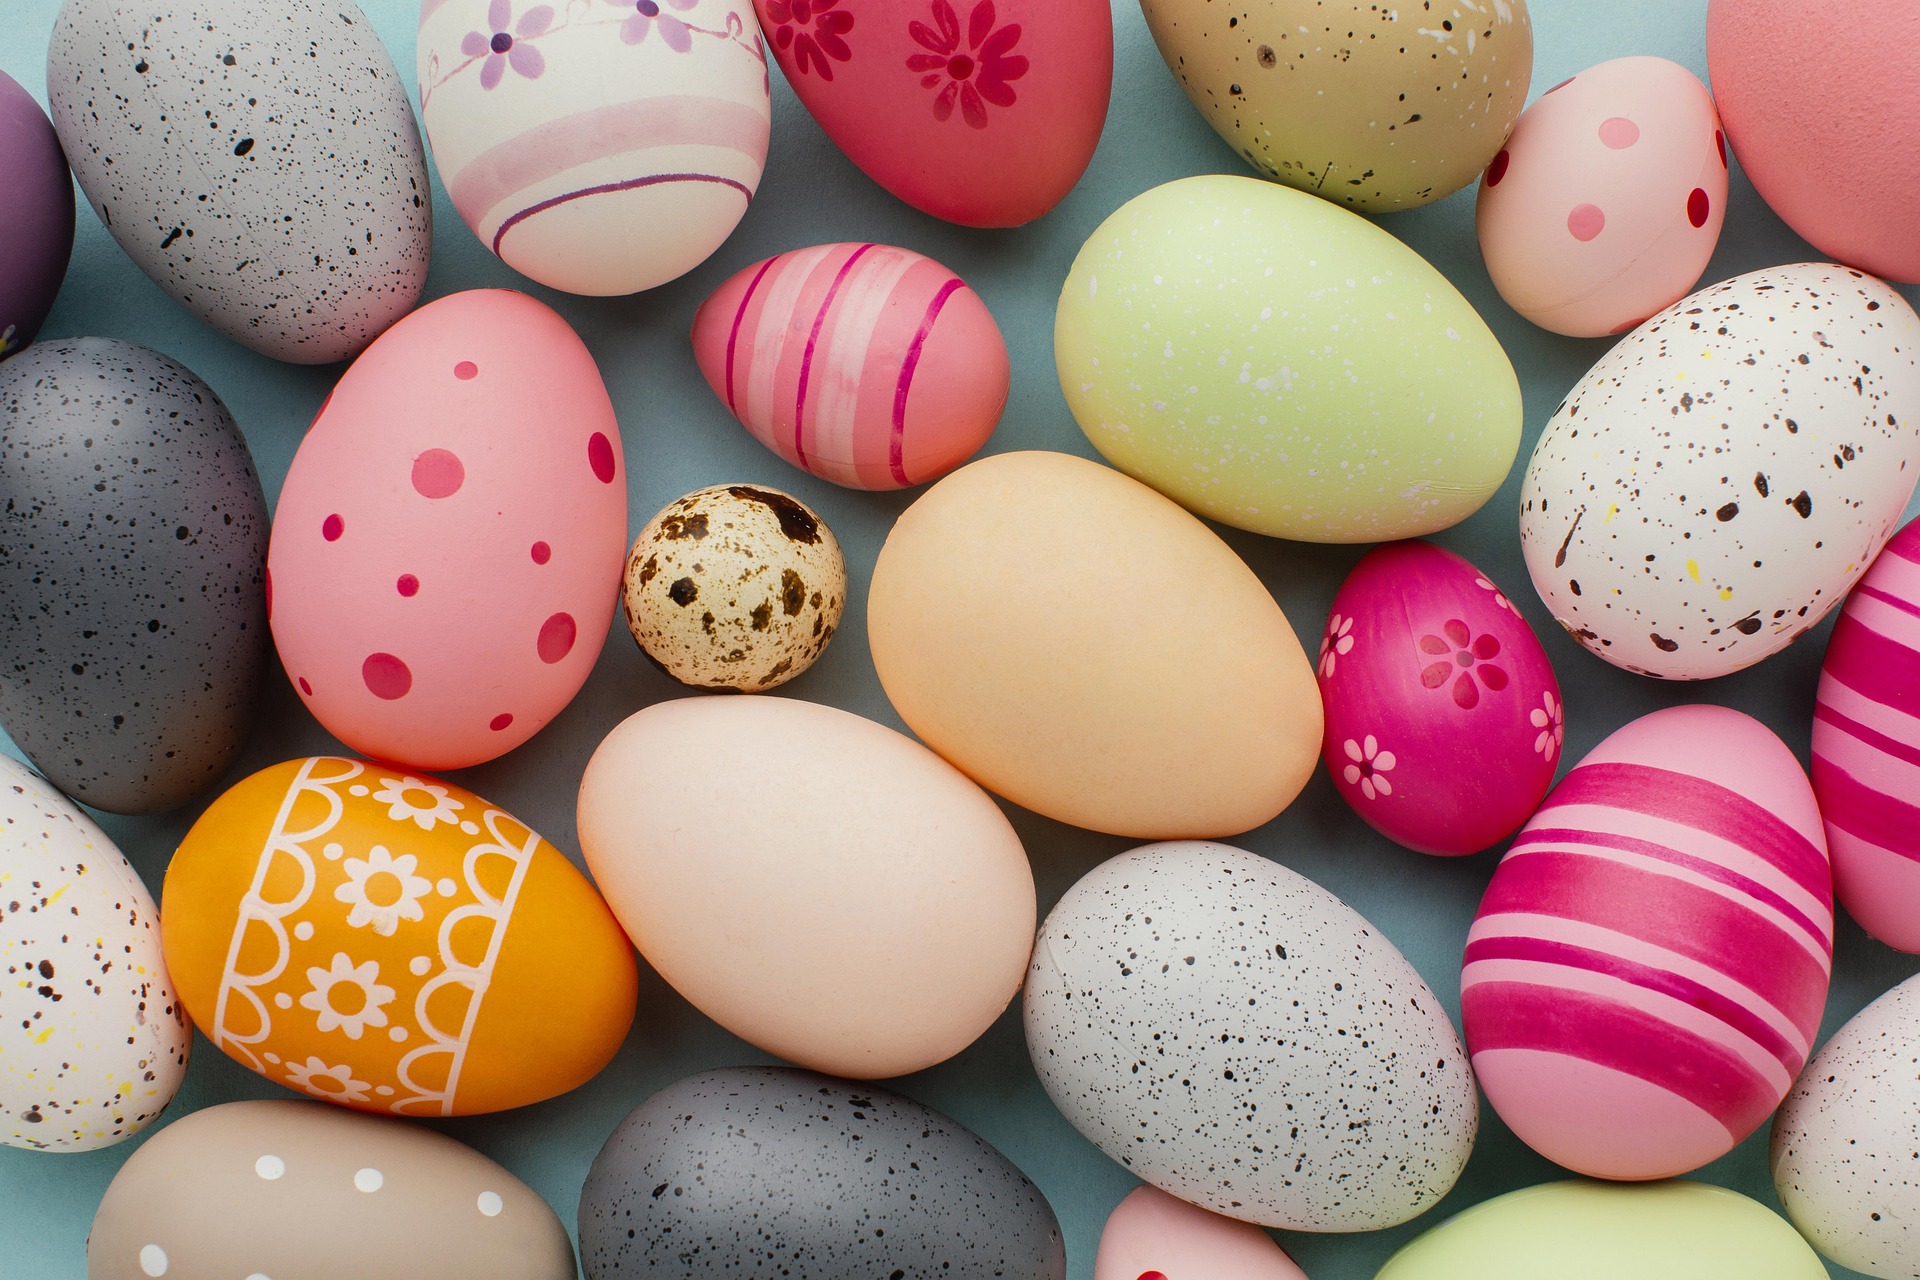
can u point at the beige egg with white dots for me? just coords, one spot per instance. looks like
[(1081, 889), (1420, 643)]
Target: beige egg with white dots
[(735, 586)]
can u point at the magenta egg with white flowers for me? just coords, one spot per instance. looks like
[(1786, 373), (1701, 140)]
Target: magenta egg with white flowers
[(1443, 717)]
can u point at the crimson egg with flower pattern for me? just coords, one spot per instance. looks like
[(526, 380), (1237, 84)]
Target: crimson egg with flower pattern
[(1444, 722)]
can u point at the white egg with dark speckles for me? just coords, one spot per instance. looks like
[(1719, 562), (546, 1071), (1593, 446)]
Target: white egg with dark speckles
[(1721, 478), (1239, 1037), (93, 1043), (259, 161)]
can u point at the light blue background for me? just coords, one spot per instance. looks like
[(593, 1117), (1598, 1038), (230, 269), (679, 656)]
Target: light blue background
[(678, 437)]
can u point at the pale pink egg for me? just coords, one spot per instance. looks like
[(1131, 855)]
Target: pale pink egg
[(1444, 722), (449, 540), (1153, 1236), (1606, 203)]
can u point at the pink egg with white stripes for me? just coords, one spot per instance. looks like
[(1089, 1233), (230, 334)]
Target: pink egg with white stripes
[(1444, 722), (1646, 973), (1866, 746), (867, 365), (448, 545), (597, 146)]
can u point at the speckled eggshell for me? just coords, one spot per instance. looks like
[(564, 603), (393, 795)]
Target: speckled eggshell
[(562, 129), (1605, 204), (259, 162), (292, 1189), (1646, 972), (1844, 1140), (1279, 364), (866, 365), (1237, 1036), (92, 1041), (1151, 1234), (36, 208), (449, 541), (1866, 747), (1722, 477), (1444, 719), (735, 587), (133, 538), (1376, 106), (982, 112), (759, 1171)]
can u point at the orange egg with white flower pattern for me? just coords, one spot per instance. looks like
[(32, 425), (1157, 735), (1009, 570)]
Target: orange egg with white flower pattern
[(393, 943)]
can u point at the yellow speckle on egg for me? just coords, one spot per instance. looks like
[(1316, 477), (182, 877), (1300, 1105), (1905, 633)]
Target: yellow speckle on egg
[(58, 894), (1726, 593), (1693, 570), (1612, 511), (42, 1037)]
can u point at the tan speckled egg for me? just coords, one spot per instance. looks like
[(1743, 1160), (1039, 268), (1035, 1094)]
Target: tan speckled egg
[(1374, 106), (735, 587)]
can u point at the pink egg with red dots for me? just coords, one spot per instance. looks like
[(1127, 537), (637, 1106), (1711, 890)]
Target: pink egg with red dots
[(1443, 717), (1607, 200), (449, 541)]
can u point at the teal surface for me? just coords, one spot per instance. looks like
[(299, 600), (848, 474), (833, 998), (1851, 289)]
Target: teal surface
[(678, 437)]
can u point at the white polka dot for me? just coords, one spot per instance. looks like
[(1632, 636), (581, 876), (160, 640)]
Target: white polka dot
[(270, 1167), (303, 930), (397, 1034), (259, 1275), (369, 1180), (282, 1001), (384, 1090), (446, 888), (333, 851), (153, 1260), (491, 1204), (419, 965), (358, 789), (471, 828), (274, 1058)]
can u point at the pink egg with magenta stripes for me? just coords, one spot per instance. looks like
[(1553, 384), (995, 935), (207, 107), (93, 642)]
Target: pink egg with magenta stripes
[(1646, 973), (1866, 746), (867, 365), (599, 146)]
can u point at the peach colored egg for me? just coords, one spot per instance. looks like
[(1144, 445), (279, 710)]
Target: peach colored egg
[(447, 549), (1153, 1235), (1607, 200), (867, 365)]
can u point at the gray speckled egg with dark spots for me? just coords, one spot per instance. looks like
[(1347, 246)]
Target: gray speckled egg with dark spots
[(1721, 478), (778, 1172), (1239, 1037), (259, 161), (133, 541)]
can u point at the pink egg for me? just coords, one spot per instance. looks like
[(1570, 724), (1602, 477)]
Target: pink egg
[(866, 365), (1606, 203), (1444, 721), (1866, 746), (982, 112), (1646, 972), (448, 544), (1152, 1236)]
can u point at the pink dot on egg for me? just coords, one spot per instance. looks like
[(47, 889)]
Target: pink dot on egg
[(332, 527), (1498, 169), (1697, 206), (600, 457), (386, 676), (438, 474), (1153, 1275), (556, 637), (305, 687), (1586, 221), (542, 553), (500, 721), (1619, 133), (466, 371), (408, 585)]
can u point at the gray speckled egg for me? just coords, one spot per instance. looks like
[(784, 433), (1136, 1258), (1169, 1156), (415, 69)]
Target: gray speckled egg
[(1723, 476), (93, 1042), (259, 161), (735, 587), (133, 542), (1236, 1035), (774, 1171), (1846, 1144)]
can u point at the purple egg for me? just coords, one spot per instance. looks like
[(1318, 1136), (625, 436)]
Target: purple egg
[(1444, 722), (36, 216)]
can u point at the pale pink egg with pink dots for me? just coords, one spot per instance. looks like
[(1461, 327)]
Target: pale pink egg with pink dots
[(1443, 717), (1607, 200), (448, 545)]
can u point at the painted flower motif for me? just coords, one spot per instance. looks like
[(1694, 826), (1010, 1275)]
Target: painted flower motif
[(973, 75), (815, 30), (383, 890), (423, 802), (348, 998), (1499, 600), (1368, 766), (1548, 719), (503, 48), (648, 18), (335, 1084), (1463, 656), (1338, 640)]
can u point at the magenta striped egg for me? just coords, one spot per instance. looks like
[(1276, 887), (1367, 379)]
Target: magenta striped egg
[(867, 365), (1646, 973), (1866, 746)]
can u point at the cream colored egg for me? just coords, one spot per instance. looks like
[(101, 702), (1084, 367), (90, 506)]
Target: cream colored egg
[(735, 587)]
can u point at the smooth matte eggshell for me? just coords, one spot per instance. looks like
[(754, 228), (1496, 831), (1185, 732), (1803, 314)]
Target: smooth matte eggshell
[(36, 210), (1152, 1234)]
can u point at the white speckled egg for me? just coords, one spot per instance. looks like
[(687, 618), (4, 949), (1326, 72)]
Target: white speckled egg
[(1845, 1140), (1239, 1037), (93, 1043), (735, 586), (1722, 477)]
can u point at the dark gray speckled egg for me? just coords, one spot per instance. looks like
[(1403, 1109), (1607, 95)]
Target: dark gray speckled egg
[(778, 1172), (133, 541)]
